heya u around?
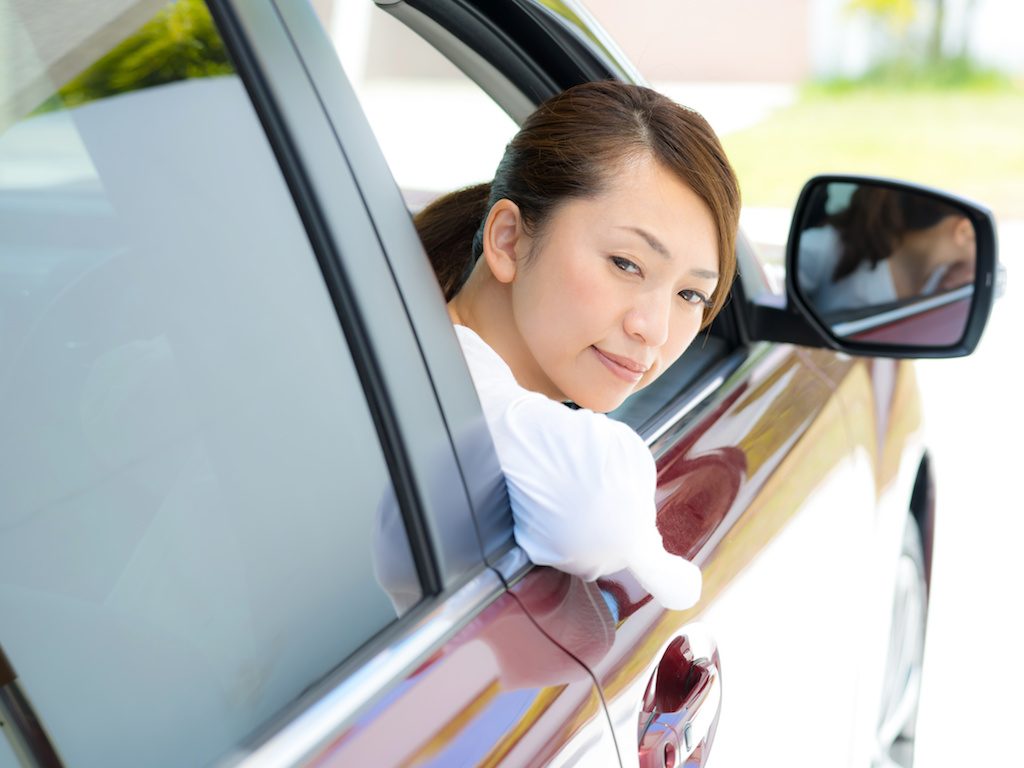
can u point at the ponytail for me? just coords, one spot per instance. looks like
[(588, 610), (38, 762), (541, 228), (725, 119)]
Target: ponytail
[(868, 229), (448, 228)]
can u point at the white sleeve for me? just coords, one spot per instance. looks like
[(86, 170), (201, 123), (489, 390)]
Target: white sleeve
[(820, 249), (582, 492)]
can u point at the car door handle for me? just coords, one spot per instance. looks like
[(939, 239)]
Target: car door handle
[(680, 707)]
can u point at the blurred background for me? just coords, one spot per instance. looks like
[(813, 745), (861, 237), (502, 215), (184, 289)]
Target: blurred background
[(930, 91)]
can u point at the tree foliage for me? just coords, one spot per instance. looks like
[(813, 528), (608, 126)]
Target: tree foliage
[(896, 14), (178, 43), (920, 41)]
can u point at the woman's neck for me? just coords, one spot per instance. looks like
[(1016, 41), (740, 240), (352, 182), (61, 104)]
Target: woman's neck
[(484, 305), (909, 268)]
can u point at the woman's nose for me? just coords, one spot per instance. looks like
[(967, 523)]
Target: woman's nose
[(648, 319)]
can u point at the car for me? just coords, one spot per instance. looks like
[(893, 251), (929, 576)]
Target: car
[(225, 358)]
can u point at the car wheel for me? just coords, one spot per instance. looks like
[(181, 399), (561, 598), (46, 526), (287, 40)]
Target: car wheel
[(902, 683)]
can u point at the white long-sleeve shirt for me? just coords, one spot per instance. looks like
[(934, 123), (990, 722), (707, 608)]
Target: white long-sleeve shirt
[(581, 485)]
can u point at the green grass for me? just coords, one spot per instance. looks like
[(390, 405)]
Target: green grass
[(968, 141), (903, 73)]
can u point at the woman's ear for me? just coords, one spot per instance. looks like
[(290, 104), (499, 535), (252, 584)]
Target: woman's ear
[(963, 232), (502, 233)]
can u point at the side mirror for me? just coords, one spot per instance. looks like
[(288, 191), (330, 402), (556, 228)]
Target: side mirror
[(891, 269)]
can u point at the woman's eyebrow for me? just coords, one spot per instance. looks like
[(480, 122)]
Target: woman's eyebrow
[(655, 243), (705, 273), (658, 247)]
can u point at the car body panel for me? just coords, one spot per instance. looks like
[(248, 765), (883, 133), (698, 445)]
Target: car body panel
[(774, 442), (498, 692), (942, 325), (884, 417)]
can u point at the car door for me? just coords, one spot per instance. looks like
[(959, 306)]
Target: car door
[(755, 452), (499, 690), (234, 526)]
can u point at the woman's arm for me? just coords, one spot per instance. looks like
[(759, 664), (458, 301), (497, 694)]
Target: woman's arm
[(581, 485), (582, 492)]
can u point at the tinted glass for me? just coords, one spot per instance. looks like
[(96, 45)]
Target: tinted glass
[(191, 486)]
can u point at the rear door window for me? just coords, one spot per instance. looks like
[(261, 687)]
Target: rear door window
[(194, 503)]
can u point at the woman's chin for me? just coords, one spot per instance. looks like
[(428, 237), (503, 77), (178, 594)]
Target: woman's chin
[(601, 402)]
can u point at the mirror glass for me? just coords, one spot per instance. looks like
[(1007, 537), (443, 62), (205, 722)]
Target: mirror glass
[(886, 265)]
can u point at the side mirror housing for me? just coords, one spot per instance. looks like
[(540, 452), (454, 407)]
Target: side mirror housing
[(885, 268)]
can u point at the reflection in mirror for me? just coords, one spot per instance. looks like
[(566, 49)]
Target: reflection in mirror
[(886, 265)]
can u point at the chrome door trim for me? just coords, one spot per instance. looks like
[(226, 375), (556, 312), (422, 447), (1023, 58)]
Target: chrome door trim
[(709, 389), (714, 381), (513, 565), (321, 723)]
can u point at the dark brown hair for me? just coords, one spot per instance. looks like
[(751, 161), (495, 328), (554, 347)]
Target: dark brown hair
[(875, 221), (571, 147)]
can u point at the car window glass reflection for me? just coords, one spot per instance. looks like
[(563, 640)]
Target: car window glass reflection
[(867, 251), (189, 472)]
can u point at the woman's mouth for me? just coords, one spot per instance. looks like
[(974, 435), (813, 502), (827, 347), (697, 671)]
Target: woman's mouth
[(623, 367)]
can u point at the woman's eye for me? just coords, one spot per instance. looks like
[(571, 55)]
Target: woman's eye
[(695, 297), (625, 265)]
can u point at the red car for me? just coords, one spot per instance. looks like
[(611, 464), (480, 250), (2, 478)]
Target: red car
[(224, 354)]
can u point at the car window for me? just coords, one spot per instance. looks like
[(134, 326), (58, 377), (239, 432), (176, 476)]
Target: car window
[(437, 128), (192, 491)]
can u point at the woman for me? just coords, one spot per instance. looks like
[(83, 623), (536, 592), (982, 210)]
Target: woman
[(603, 246), (885, 246)]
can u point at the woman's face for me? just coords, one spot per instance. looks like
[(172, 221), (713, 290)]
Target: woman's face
[(949, 246), (613, 289)]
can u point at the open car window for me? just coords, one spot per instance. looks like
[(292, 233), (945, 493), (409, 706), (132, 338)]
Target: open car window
[(439, 131), (436, 128)]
